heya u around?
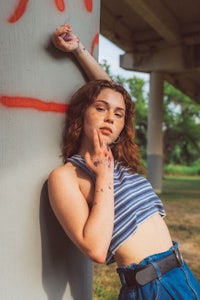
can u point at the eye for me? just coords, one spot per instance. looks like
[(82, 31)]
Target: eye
[(119, 115), (99, 108)]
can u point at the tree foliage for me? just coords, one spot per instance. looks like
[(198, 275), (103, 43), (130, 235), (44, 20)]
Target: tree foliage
[(181, 127), (181, 122)]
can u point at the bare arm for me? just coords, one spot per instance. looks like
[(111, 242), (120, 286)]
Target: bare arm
[(90, 229), (65, 40)]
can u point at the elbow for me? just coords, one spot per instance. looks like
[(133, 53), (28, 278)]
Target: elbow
[(98, 259), (97, 256)]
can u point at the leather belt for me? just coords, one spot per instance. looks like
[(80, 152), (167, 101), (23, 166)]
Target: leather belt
[(147, 273)]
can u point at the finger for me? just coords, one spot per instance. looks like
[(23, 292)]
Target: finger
[(60, 30), (96, 141), (87, 158), (103, 141), (67, 26), (62, 44), (61, 41), (58, 42), (105, 148), (104, 144)]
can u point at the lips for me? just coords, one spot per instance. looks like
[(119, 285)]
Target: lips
[(106, 130)]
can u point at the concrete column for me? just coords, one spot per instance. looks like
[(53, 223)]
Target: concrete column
[(37, 260), (154, 132)]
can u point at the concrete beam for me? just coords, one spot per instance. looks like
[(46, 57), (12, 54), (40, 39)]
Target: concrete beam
[(114, 29), (185, 83), (157, 16), (169, 59)]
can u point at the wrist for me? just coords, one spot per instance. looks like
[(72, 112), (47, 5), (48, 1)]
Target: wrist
[(105, 176), (80, 49), (104, 184)]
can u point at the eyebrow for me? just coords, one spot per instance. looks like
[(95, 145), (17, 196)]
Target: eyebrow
[(108, 105)]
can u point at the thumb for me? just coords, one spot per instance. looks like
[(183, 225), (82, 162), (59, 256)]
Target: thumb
[(87, 158)]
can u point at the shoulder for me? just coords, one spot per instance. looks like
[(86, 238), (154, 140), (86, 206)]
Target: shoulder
[(63, 174), (63, 187)]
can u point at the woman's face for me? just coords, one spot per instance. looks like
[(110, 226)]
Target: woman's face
[(107, 115)]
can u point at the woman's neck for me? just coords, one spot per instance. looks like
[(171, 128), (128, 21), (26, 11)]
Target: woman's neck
[(85, 147)]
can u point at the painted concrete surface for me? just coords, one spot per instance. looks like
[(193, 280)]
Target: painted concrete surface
[(37, 259)]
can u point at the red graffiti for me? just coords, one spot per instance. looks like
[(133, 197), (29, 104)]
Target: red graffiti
[(88, 5), (19, 11), (27, 102), (22, 5), (33, 103), (60, 5), (95, 42)]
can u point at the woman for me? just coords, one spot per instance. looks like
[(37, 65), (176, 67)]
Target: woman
[(107, 209)]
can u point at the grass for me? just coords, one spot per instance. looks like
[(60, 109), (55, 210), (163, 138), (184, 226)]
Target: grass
[(181, 198)]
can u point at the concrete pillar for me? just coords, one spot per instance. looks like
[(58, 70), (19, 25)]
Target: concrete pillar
[(37, 260), (154, 132)]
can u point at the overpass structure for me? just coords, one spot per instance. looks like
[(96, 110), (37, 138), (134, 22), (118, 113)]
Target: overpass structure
[(161, 38)]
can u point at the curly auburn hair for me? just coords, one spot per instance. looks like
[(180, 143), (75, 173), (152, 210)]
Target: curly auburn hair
[(124, 150)]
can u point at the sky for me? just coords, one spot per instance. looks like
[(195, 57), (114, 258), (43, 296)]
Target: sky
[(110, 52)]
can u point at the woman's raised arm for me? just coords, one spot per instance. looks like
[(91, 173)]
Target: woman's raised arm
[(65, 40)]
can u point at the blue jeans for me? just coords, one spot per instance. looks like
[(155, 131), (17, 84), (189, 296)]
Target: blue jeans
[(177, 284)]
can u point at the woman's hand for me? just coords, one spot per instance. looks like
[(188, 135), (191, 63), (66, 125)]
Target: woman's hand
[(63, 39), (101, 162)]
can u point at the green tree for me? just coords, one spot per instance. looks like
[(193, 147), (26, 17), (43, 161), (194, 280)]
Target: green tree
[(181, 127), (181, 123), (136, 87)]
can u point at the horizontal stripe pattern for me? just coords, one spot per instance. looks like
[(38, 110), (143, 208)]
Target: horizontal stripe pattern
[(135, 201)]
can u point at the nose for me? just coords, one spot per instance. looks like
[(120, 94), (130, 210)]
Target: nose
[(109, 117)]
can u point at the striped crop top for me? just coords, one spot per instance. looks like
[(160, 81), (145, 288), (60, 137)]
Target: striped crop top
[(135, 201)]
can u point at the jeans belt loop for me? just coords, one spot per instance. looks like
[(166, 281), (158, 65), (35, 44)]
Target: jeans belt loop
[(179, 257), (122, 278), (157, 270)]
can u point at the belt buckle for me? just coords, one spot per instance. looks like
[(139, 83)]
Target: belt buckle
[(179, 256)]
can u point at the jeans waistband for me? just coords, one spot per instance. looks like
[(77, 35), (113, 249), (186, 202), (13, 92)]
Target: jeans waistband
[(151, 267)]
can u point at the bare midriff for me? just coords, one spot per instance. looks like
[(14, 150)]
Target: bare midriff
[(151, 237)]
